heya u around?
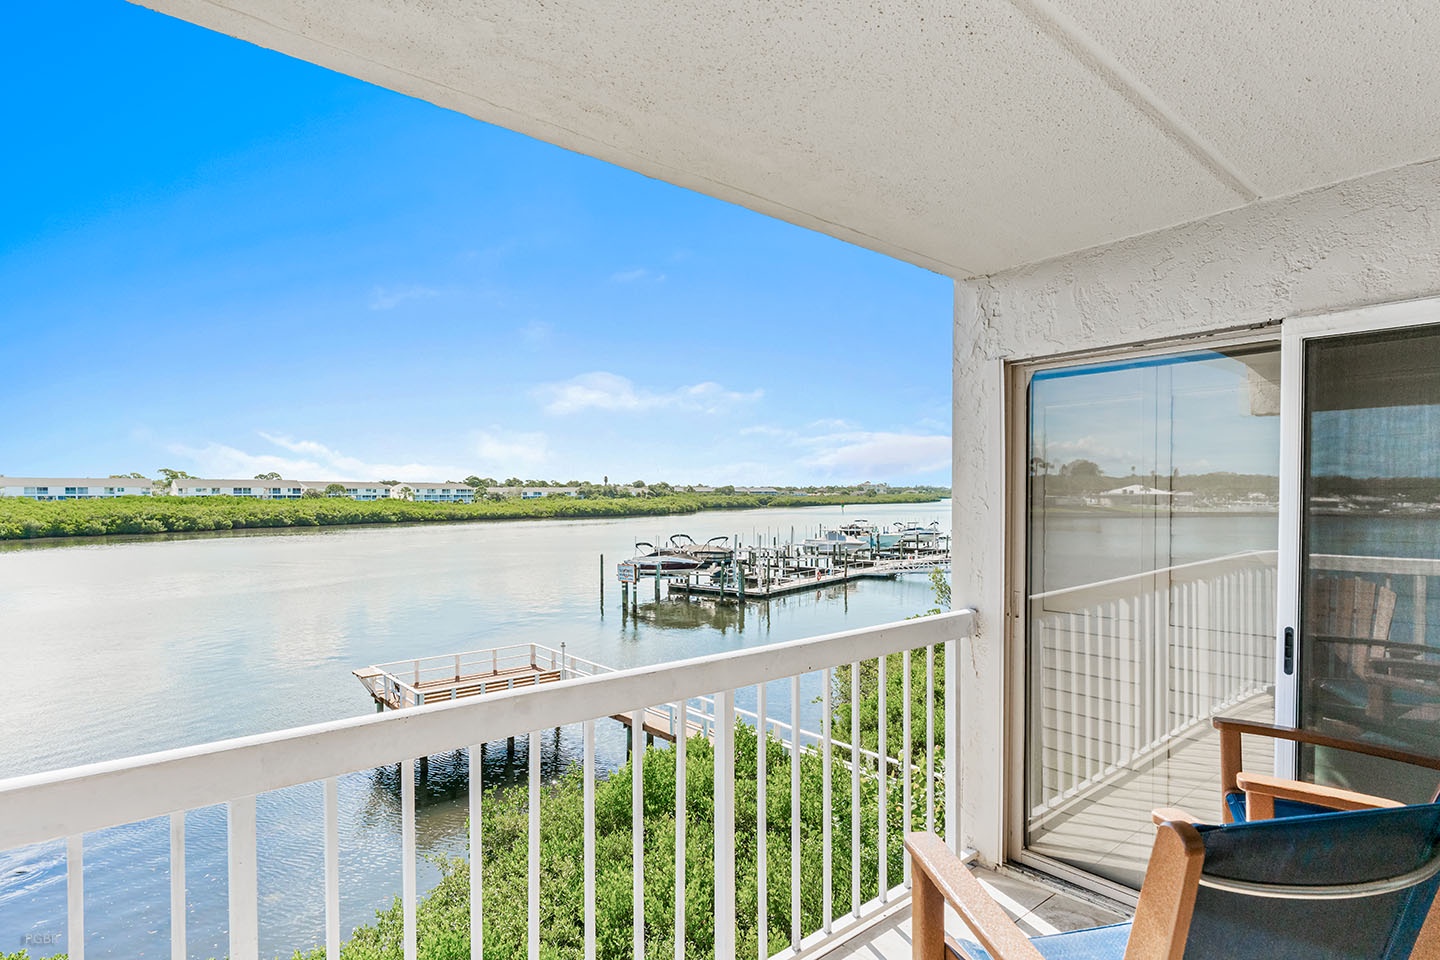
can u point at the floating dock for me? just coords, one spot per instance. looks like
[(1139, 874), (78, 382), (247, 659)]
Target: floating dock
[(430, 680), (731, 570)]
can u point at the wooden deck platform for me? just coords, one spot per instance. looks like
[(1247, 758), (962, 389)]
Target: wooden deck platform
[(882, 570), (431, 680)]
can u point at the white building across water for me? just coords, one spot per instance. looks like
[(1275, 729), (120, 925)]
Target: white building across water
[(73, 488)]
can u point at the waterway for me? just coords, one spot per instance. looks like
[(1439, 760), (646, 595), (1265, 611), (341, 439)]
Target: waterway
[(118, 648)]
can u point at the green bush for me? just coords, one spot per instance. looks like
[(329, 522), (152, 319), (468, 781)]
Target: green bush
[(29, 519), (443, 918)]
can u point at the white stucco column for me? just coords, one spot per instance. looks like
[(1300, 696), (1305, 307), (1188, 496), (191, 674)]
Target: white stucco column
[(977, 728)]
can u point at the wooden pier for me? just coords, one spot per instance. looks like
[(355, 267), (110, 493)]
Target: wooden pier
[(430, 680), (731, 570), (803, 580)]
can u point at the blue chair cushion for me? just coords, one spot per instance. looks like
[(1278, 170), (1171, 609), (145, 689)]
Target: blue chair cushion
[(1283, 808), (1095, 943), (1318, 849)]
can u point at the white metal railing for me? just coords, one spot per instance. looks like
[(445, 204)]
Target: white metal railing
[(69, 803), (1122, 667)]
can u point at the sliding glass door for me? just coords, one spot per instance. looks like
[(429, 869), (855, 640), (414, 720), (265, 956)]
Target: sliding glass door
[(1368, 617), (1151, 592)]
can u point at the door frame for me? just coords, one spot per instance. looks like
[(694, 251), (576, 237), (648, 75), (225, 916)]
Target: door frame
[(1017, 422), (1295, 334)]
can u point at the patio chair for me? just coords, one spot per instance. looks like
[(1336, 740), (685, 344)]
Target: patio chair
[(1360, 674), (1254, 796), (1330, 886)]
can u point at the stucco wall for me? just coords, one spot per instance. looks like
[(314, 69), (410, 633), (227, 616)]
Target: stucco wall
[(1366, 241)]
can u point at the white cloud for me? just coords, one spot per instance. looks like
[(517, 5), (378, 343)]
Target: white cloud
[(387, 298), (614, 393), (310, 461), (536, 333), (875, 455), (636, 275), (501, 451)]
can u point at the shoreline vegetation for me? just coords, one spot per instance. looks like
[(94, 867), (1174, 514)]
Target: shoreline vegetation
[(24, 519)]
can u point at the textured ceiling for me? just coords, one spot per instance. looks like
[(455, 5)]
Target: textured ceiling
[(967, 136)]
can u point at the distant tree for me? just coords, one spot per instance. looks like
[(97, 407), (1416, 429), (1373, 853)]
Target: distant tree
[(476, 482), (661, 489), (638, 483), (389, 483), (128, 476), (312, 494), (267, 476), (168, 477), (573, 483), (406, 493), (1082, 469), (727, 490), (334, 490), (513, 482)]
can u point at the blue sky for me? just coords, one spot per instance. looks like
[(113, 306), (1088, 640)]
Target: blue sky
[(1196, 413), (218, 259)]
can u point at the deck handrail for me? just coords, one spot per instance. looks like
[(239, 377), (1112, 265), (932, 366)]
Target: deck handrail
[(53, 804)]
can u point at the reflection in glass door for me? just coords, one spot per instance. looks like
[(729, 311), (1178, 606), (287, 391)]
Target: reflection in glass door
[(1152, 533), (1369, 662)]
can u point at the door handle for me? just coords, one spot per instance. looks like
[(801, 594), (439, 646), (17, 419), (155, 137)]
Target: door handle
[(1289, 661)]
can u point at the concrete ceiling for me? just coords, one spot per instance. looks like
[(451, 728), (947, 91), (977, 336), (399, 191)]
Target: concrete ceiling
[(967, 136)]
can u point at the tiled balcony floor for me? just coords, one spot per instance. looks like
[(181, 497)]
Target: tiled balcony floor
[(1112, 827), (1038, 909)]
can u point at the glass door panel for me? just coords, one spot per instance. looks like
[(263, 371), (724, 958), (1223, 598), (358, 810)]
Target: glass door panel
[(1152, 536), (1369, 662)]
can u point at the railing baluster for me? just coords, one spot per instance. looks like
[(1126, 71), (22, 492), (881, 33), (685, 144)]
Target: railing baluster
[(588, 789), (827, 882), (855, 898), (930, 739), (762, 853), (75, 895), (795, 933), (637, 831), (681, 813), (244, 889), (332, 869), (952, 753), (906, 771), (882, 748), (178, 947), (533, 883), (477, 851), (408, 886), (725, 826)]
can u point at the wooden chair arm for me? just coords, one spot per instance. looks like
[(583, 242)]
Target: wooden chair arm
[(1230, 759), (939, 877), (1170, 815), (1261, 792)]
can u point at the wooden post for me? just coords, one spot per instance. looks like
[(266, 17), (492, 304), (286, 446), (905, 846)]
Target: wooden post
[(602, 582)]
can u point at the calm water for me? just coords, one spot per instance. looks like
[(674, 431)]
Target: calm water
[(113, 649)]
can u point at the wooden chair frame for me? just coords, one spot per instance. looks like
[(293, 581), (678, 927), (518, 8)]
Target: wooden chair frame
[(1159, 931), (1261, 791)]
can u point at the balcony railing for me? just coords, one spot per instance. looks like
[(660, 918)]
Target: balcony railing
[(702, 692), (1129, 665)]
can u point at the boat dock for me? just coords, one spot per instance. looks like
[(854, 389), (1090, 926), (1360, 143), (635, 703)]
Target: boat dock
[(800, 580), (723, 568), (430, 680)]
